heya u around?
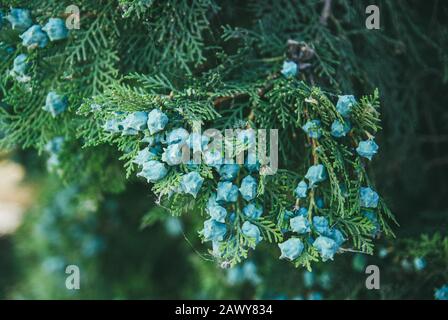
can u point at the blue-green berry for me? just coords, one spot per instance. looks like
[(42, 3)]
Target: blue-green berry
[(301, 189), (253, 211), (315, 295), (227, 192), (55, 103), (235, 276), (113, 126), (34, 37), (56, 29), (248, 188), (216, 211), (229, 172), (217, 249), (441, 293), (309, 279), (135, 121), (94, 107), (145, 155), (288, 214), (173, 154), (291, 249), (191, 183), (300, 224), (345, 104), (383, 253), (289, 69), (20, 66), (212, 158), (54, 145), (321, 225), (373, 219), (367, 149), (302, 212), (173, 226), (324, 280), (153, 171), (157, 120), (419, 263), (251, 231), (312, 129), (316, 174), (128, 131), (359, 262), (326, 247), (178, 135), (198, 142), (246, 137), (214, 230), (246, 272), (320, 202), (340, 129), (19, 18), (368, 198), (250, 273), (337, 236), (252, 166)]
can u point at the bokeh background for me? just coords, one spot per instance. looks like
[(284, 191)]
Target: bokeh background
[(47, 224)]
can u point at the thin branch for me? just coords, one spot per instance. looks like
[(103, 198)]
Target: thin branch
[(326, 11), (220, 100)]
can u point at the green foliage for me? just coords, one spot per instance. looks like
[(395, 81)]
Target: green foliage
[(261, 97)]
